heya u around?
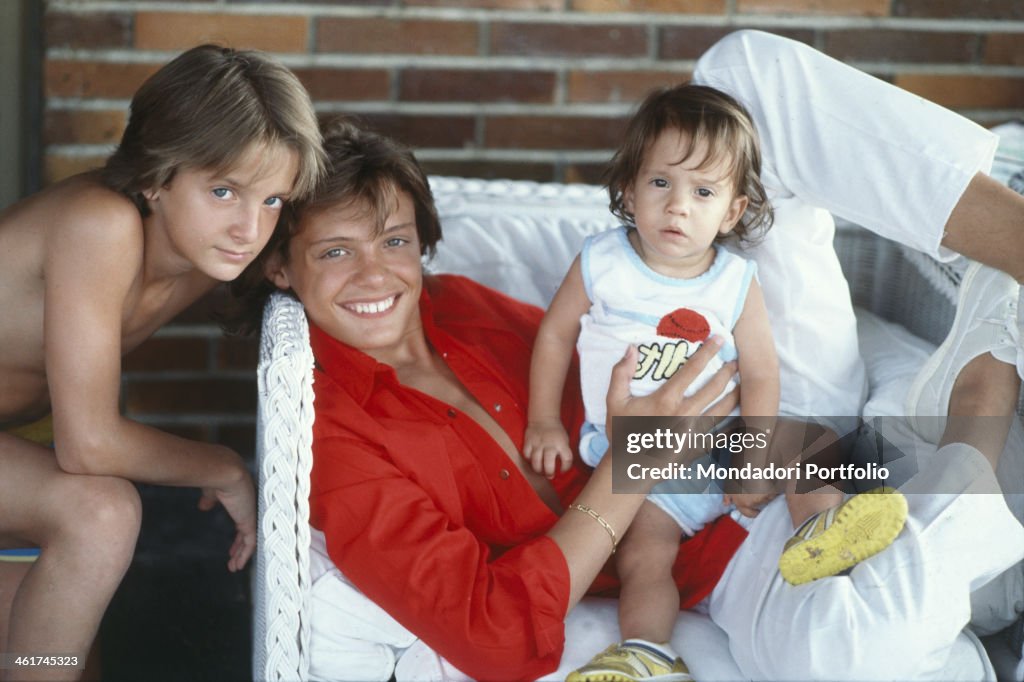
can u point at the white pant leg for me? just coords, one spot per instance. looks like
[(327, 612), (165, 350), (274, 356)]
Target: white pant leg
[(847, 142), (897, 615), (836, 141)]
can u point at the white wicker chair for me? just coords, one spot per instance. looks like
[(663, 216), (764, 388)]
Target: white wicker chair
[(889, 280), (284, 459)]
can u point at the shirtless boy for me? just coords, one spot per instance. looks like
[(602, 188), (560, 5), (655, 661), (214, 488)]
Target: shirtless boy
[(216, 142)]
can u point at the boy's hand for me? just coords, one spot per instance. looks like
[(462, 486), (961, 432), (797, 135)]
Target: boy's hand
[(749, 504), (545, 445), (239, 501)]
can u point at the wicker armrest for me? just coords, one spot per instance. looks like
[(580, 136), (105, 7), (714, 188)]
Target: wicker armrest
[(284, 458)]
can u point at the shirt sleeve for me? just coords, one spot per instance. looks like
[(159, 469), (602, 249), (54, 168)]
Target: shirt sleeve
[(494, 616)]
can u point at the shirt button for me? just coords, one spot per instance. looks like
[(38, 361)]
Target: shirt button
[(503, 474), (451, 412), (497, 407)]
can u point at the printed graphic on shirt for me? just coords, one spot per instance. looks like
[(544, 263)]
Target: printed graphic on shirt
[(683, 323), (660, 360)]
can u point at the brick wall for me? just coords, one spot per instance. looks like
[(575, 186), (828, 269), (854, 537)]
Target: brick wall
[(492, 88)]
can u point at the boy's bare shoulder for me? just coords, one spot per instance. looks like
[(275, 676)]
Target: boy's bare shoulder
[(86, 209), (74, 204), (78, 214)]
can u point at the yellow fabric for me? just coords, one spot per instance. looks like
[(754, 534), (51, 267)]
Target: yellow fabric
[(39, 431)]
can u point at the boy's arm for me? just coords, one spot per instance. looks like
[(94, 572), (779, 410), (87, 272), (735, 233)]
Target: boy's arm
[(93, 258), (552, 354)]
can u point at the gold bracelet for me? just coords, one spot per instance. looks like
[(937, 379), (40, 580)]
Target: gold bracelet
[(597, 517)]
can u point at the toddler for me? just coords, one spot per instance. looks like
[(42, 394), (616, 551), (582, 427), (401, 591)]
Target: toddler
[(686, 179)]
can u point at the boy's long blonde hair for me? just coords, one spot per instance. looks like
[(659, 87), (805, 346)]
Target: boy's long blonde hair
[(205, 109), (704, 114)]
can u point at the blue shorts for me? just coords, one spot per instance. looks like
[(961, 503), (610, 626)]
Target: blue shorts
[(41, 432)]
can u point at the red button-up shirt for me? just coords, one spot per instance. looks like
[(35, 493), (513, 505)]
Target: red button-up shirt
[(426, 514)]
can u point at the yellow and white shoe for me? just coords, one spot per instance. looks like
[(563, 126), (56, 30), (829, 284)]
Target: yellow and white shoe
[(632, 661), (839, 538)]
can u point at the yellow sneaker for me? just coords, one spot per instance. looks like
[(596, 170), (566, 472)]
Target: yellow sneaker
[(836, 539), (631, 661)]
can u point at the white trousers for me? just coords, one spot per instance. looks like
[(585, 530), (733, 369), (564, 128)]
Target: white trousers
[(899, 615), (839, 142)]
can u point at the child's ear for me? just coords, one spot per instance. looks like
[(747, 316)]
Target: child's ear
[(274, 269), (736, 210), (627, 200), (151, 194)]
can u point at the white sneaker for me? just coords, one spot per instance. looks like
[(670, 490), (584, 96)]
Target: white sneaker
[(986, 321)]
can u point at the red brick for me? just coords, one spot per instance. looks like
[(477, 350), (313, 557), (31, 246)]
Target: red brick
[(85, 127), (959, 9), (56, 167), (883, 45), (618, 86), (237, 353), (477, 85), (553, 132), (182, 30), (351, 3), (853, 8), (215, 394), (690, 42), (396, 36), (1004, 48), (327, 84), (95, 30), (66, 78), (664, 6), (514, 170), (560, 40), (169, 354), (549, 5), (966, 92), (415, 130)]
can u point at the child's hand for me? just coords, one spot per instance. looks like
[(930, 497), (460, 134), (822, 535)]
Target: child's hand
[(546, 444), (239, 501), (749, 504)]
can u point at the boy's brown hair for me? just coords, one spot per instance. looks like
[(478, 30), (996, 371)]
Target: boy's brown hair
[(364, 170), (704, 114), (205, 109)]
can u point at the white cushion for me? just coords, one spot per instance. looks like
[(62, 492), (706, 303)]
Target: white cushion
[(516, 237), (894, 355)]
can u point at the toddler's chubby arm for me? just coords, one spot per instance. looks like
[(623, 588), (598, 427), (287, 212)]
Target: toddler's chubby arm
[(106, 288), (546, 444), (758, 365)]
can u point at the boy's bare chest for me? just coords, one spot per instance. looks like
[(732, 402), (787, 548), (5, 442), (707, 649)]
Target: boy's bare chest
[(147, 308), (442, 384)]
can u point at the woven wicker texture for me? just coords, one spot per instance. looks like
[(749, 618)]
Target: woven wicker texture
[(284, 458)]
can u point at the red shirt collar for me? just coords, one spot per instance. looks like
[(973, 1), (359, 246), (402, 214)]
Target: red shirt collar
[(354, 371)]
